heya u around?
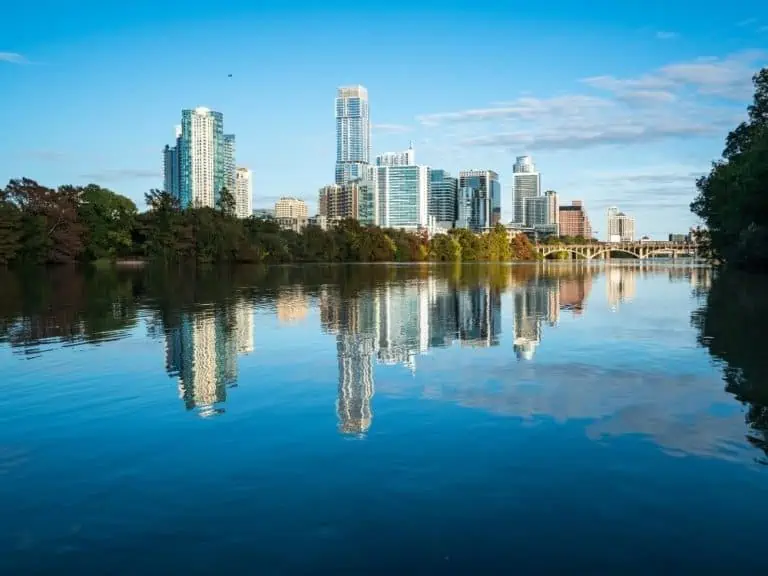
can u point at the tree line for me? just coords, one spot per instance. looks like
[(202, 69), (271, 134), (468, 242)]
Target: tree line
[(41, 225), (732, 199)]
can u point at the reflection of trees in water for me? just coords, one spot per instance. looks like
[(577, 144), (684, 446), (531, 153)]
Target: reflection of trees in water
[(732, 326)]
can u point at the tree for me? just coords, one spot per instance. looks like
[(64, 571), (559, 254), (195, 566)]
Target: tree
[(109, 220), (10, 230), (732, 199), (444, 248), (50, 230), (226, 202)]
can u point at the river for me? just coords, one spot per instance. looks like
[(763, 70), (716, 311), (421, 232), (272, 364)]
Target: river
[(416, 419)]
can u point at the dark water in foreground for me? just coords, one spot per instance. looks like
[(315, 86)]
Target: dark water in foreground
[(379, 420)]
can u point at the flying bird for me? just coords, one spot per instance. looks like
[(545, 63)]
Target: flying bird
[(229, 76)]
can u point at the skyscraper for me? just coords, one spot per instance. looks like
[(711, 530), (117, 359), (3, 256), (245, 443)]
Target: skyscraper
[(403, 196), (243, 193), (353, 133), (443, 198), (205, 157), (479, 202), (542, 211), (526, 184)]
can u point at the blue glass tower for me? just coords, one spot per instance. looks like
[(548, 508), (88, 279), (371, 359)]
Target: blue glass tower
[(353, 134)]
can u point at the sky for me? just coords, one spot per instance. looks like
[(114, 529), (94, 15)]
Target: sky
[(618, 103)]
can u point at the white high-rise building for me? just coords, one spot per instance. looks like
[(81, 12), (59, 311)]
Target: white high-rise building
[(205, 155), (243, 193), (526, 183), (621, 227), (353, 133), (404, 158)]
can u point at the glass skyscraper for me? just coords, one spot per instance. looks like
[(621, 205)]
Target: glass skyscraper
[(479, 200), (526, 184), (443, 198), (228, 161), (403, 194), (353, 133)]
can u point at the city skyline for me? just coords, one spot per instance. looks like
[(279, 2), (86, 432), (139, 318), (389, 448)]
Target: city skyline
[(655, 119)]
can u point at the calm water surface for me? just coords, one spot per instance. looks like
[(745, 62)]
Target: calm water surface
[(384, 419)]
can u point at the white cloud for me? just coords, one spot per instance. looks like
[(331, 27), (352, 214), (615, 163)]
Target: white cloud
[(663, 35), (747, 22), (13, 58)]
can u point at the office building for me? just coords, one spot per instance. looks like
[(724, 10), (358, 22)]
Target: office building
[(288, 207), (479, 200), (228, 162), (368, 202), (542, 211), (405, 158), (621, 228), (443, 198), (243, 193), (574, 221), (353, 133), (403, 195), (526, 183)]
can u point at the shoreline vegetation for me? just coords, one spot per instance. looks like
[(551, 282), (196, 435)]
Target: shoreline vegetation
[(732, 200), (71, 224)]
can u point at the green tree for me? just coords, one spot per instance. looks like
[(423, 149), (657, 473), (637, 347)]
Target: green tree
[(732, 199), (444, 248), (108, 219), (10, 230)]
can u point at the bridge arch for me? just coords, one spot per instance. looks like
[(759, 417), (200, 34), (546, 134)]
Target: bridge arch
[(582, 255), (622, 250)]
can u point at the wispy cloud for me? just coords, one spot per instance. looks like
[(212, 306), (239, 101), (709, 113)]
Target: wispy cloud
[(664, 35), (13, 58), (392, 128), (689, 99), (120, 174), (746, 22)]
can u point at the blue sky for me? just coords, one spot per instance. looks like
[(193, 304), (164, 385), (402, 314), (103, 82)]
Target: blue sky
[(619, 103)]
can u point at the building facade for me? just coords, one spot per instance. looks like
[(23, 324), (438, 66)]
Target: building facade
[(402, 193), (621, 227), (243, 193), (201, 157), (353, 133), (479, 200), (443, 198), (405, 158), (574, 220), (228, 161), (291, 208), (526, 183), (340, 202)]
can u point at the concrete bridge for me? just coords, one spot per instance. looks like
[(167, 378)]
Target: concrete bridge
[(640, 250)]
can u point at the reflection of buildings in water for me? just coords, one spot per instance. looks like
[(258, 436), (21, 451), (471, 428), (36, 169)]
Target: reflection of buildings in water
[(394, 325), (701, 278), (573, 292), (292, 305), (353, 405), (202, 352), (621, 284)]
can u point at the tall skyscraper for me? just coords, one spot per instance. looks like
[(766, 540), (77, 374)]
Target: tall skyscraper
[(404, 158), (542, 211), (621, 227), (205, 158), (443, 198), (353, 133), (526, 184), (243, 192), (403, 196), (479, 200)]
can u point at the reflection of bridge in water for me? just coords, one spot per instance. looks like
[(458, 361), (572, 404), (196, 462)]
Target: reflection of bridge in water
[(640, 250)]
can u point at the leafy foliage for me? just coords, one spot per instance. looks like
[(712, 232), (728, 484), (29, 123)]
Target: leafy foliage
[(42, 225), (732, 199)]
